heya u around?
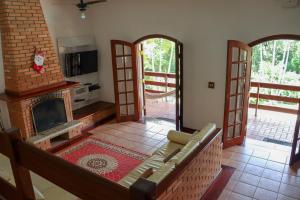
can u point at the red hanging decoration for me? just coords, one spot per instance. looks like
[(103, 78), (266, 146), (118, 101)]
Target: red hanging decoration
[(38, 63)]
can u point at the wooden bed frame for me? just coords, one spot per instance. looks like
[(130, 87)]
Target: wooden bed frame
[(189, 179)]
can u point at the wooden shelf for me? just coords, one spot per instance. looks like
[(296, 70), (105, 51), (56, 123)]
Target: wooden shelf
[(92, 109), (12, 97), (94, 113)]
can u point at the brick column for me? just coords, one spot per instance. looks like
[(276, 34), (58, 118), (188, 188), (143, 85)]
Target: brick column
[(23, 28)]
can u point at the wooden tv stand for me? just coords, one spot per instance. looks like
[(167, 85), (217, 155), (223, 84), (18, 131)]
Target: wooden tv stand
[(94, 113)]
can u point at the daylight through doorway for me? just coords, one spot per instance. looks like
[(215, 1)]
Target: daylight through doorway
[(158, 69), (274, 94)]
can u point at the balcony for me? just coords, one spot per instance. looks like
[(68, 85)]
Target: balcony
[(160, 96), (273, 112)]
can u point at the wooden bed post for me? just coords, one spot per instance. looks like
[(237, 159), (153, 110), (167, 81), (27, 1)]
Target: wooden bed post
[(143, 189), (21, 175)]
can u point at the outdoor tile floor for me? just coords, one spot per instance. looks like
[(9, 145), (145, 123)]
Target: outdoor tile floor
[(273, 125), (262, 172), (160, 108)]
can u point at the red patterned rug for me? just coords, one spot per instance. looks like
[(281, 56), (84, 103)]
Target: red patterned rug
[(107, 160)]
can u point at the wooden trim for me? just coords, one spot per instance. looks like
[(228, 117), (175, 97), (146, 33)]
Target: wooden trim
[(275, 37), (275, 86), (152, 36), (8, 191), (181, 80), (274, 97), (274, 108), (217, 187), (21, 174), (295, 156), (10, 96), (159, 74)]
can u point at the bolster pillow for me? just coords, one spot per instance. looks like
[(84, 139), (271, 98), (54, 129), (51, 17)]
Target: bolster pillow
[(179, 137), (204, 133)]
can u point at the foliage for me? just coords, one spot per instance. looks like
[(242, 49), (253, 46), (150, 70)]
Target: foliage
[(277, 62), (159, 55)]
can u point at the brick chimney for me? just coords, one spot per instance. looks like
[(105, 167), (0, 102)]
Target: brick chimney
[(23, 30)]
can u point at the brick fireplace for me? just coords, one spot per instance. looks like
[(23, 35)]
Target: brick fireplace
[(24, 30)]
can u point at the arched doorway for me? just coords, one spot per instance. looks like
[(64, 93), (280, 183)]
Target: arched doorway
[(129, 82), (247, 61), (160, 72), (275, 92)]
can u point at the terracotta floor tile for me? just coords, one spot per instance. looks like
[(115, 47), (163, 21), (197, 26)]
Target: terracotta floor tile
[(240, 157), (262, 194), (224, 195), (261, 154), (236, 175), (250, 179), (291, 180), (282, 197), (244, 189), (236, 196), (236, 164), (290, 191), (258, 161), (269, 184), (275, 166), (273, 175), (255, 170), (231, 184), (277, 157)]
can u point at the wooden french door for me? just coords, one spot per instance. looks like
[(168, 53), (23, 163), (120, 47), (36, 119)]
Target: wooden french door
[(295, 155), (179, 85), (125, 80), (239, 57)]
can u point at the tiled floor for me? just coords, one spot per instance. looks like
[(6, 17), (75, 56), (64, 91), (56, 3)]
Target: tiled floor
[(143, 138), (262, 173), (273, 125), (161, 108)]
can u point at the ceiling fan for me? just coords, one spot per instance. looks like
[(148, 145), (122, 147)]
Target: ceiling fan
[(82, 6)]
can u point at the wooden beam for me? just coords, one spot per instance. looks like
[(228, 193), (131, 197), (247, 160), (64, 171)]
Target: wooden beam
[(275, 98), (276, 86), (8, 191), (159, 74), (274, 108)]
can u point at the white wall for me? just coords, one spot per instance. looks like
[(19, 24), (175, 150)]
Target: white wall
[(204, 28)]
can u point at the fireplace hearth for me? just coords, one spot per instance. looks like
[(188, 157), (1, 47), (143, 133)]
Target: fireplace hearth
[(50, 112)]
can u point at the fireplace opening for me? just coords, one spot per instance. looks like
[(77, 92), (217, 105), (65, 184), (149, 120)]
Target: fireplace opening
[(48, 114)]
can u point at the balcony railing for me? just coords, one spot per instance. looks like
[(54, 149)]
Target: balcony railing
[(166, 83), (258, 95)]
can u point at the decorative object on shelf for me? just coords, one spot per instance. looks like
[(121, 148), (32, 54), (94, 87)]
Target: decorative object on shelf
[(38, 62)]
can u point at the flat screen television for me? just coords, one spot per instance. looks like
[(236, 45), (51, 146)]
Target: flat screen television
[(80, 63)]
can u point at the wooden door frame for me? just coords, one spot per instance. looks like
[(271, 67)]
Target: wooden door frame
[(275, 37), (281, 37), (161, 36), (134, 75), (243, 124)]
